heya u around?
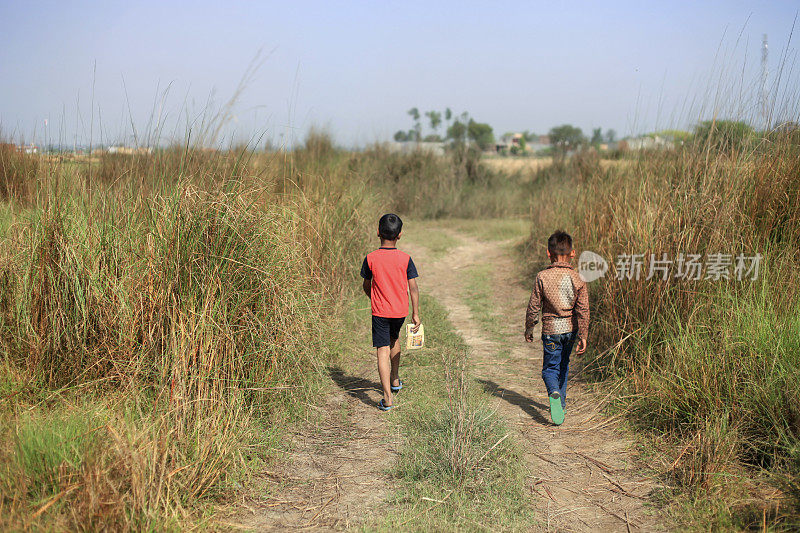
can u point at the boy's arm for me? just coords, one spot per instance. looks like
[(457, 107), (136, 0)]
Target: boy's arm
[(366, 273), (532, 313), (413, 291), (582, 313), (367, 286)]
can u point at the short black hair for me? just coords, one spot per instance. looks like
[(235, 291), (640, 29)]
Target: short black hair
[(390, 226), (559, 243)]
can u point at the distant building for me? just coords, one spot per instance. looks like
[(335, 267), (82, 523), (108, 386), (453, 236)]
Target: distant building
[(647, 143), (542, 142), (435, 148), (511, 140), (128, 150)]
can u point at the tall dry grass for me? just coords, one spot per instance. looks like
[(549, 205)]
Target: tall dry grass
[(710, 365), (457, 184), (161, 316), (17, 172)]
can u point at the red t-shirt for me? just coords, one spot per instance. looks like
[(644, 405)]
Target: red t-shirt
[(389, 269)]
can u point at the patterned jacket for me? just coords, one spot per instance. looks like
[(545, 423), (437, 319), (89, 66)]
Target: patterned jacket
[(563, 298)]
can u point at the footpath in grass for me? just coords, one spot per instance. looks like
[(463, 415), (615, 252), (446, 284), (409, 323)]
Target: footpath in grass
[(439, 460), (581, 476), (335, 469), (458, 469), (468, 446)]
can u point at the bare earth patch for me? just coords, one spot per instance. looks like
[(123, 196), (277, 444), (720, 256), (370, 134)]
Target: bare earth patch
[(530, 165), (336, 475)]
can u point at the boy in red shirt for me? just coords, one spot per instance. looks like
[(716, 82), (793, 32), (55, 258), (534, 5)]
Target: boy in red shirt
[(389, 277)]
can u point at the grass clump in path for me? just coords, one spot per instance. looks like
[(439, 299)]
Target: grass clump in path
[(477, 294), (460, 469)]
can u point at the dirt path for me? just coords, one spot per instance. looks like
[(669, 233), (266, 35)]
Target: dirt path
[(584, 472), (335, 474), (584, 475)]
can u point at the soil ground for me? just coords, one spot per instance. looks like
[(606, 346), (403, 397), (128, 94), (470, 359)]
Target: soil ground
[(335, 475)]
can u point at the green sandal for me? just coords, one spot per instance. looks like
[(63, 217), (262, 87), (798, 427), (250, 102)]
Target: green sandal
[(556, 410)]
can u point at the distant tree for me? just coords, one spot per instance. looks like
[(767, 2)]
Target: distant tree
[(432, 138), (529, 136), (401, 136), (414, 113), (457, 132), (611, 136), (723, 135), (597, 136), (481, 133), (435, 119), (522, 144), (413, 135), (790, 126), (566, 137)]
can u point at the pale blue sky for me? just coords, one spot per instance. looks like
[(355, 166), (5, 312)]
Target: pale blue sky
[(356, 67)]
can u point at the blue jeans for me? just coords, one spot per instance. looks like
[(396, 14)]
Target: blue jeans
[(555, 362)]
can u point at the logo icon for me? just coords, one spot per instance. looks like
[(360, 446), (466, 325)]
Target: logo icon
[(591, 266)]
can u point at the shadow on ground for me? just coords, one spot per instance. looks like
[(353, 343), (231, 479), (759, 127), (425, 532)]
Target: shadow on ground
[(531, 407), (354, 386)]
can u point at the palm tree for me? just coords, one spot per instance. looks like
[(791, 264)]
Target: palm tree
[(436, 119)]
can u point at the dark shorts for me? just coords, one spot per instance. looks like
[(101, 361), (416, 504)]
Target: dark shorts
[(385, 330)]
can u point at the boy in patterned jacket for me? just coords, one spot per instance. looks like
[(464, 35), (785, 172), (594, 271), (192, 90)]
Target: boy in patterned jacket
[(562, 297)]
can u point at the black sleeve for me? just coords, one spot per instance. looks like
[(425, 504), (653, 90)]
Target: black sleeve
[(411, 271), (366, 273)]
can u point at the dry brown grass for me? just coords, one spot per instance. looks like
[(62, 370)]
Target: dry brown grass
[(531, 165), (710, 364), (189, 295)]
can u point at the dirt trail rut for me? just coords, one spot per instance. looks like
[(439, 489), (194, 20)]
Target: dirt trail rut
[(335, 475), (584, 472)]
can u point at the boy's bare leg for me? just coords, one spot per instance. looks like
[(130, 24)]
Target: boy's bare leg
[(384, 371), (394, 355)]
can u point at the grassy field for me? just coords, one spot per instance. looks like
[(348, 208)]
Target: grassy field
[(710, 367), (163, 315), (159, 313), (161, 319)]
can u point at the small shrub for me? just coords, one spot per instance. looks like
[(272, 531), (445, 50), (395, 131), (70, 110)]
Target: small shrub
[(725, 136), (51, 449), (18, 173)]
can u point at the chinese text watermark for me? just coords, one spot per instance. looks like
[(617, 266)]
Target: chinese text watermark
[(684, 266)]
